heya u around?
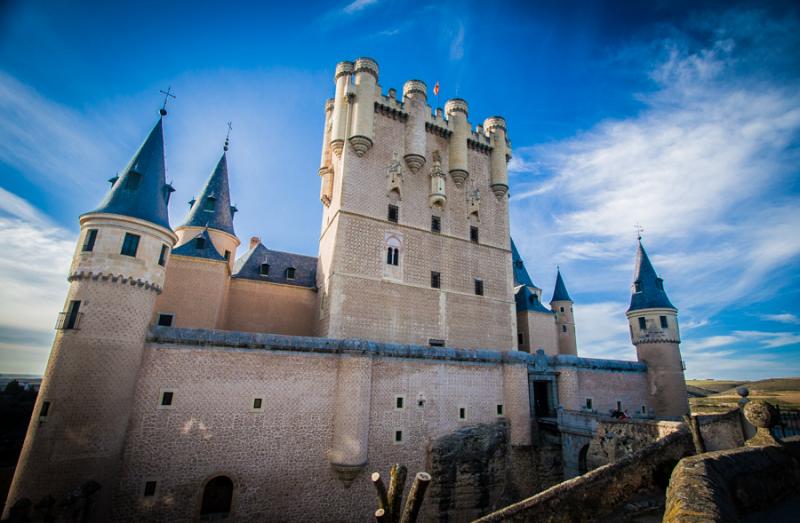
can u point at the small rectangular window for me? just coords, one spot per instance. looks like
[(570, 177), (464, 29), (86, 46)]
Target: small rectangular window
[(165, 320), (664, 324), (499, 410), (199, 243), (264, 271), (149, 489), (589, 403), (433, 342), (290, 273), (166, 398), (473, 234), (227, 255), (436, 224), (436, 280), (398, 436), (44, 410), (563, 328), (130, 245), (644, 409), (642, 324), (257, 403), (72, 316), (520, 339), (88, 242), (394, 213), (209, 204), (462, 413), (162, 257), (478, 287), (399, 402), (132, 180)]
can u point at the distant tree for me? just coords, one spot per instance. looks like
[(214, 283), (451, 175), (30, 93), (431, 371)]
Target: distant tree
[(13, 388)]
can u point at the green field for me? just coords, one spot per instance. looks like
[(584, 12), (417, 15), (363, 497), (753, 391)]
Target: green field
[(707, 396)]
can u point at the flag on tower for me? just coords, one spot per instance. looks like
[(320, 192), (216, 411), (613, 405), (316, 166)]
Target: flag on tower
[(436, 89)]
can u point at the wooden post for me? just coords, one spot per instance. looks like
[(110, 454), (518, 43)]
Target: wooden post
[(381, 516), (415, 497), (397, 483), (383, 499)]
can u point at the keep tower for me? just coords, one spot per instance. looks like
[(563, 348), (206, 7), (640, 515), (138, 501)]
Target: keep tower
[(653, 321), (76, 435)]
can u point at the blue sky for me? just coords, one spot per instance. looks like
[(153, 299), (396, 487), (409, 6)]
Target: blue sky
[(681, 116)]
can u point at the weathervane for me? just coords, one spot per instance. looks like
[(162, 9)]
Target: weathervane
[(228, 137), (639, 230), (167, 95)]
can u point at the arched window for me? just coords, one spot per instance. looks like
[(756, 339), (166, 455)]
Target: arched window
[(583, 467), (392, 256), (217, 496)]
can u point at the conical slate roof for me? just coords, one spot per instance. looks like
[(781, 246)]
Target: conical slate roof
[(648, 288), (141, 190), (202, 249), (560, 292), (212, 208), (526, 294)]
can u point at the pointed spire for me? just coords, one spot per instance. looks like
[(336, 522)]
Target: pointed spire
[(521, 276), (648, 288), (141, 190), (560, 292), (212, 208)]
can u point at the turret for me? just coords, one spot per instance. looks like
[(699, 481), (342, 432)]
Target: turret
[(366, 80), (501, 153), (536, 328), (325, 163), (76, 435), (561, 304), (212, 210), (456, 110), (415, 101), (344, 70), (653, 322)]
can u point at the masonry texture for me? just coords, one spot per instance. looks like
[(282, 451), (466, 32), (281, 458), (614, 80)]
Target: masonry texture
[(191, 380)]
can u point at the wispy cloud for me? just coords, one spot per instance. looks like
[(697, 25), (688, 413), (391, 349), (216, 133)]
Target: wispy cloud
[(784, 317), (457, 43), (358, 5)]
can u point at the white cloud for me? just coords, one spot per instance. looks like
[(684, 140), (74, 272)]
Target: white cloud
[(358, 5), (457, 43), (784, 317)]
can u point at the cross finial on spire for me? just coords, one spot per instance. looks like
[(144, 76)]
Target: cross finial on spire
[(639, 230), (228, 137), (167, 95)]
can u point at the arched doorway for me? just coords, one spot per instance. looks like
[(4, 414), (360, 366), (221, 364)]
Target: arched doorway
[(582, 466), (217, 497)]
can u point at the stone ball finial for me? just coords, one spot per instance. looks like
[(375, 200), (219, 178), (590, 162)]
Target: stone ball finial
[(760, 414), (415, 86), (743, 391), (255, 240), (456, 105)]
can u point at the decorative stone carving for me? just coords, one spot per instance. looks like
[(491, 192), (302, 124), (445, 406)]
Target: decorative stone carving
[(473, 201), (394, 172), (360, 144), (438, 180)]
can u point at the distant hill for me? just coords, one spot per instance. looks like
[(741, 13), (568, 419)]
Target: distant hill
[(717, 395)]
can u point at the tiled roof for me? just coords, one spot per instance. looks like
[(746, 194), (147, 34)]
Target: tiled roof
[(212, 208), (141, 190), (560, 292), (248, 266), (529, 300), (648, 288), (207, 251)]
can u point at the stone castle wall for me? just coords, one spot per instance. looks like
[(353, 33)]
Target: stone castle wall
[(279, 457)]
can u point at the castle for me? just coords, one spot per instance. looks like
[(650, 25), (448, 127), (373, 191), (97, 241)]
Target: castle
[(187, 381)]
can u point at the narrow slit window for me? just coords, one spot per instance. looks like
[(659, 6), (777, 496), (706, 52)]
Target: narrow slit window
[(462, 413), (664, 324), (257, 403), (227, 255), (396, 257), (479, 287), (436, 224), (166, 398), (436, 280), (130, 244), (499, 410), (520, 339), (589, 403), (45, 410), (398, 436), (290, 273), (149, 489), (563, 328), (88, 242), (473, 234), (165, 320), (399, 402), (72, 316), (619, 405), (162, 257), (393, 213), (644, 409)]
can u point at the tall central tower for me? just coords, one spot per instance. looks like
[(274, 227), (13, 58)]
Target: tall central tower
[(414, 245)]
